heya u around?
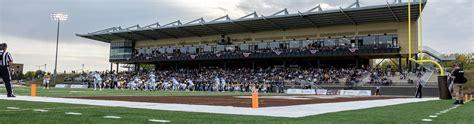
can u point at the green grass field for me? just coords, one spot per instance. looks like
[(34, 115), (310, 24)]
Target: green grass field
[(397, 114)]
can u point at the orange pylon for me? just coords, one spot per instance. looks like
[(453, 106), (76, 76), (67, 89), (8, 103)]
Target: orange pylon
[(254, 98), (33, 89)]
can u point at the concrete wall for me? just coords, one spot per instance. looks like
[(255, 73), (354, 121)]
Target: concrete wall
[(379, 28), (398, 91)]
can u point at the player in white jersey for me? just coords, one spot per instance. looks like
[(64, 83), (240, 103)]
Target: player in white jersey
[(183, 86), (175, 84), (216, 84), (97, 81), (222, 86), (136, 81), (152, 81), (190, 85), (132, 85), (166, 85)]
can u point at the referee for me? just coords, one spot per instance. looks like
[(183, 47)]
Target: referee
[(6, 60)]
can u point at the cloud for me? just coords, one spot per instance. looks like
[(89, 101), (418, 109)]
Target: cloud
[(222, 9), (71, 54), (448, 26), (268, 7), (25, 24)]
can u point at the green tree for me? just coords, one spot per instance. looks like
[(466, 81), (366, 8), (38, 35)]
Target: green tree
[(39, 73), (30, 75), (17, 76), (464, 59)]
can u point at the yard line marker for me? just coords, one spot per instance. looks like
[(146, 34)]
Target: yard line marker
[(441, 112), (40, 110), (426, 120), (71, 108), (112, 117), (73, 113), (160, 121), (14, 108)]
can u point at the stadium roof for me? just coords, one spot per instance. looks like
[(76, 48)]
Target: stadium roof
[(282, 20)]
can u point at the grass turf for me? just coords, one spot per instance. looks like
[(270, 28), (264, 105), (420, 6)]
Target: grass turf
[(397, 114)]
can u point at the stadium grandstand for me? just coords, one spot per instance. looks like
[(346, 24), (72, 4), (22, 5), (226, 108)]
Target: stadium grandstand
[(351, 38)]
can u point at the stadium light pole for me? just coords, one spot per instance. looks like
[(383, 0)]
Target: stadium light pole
[(57, 17)]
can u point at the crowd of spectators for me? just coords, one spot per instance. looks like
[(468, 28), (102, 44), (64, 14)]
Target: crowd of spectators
[(381, 77), (237, 50), (384, 77)]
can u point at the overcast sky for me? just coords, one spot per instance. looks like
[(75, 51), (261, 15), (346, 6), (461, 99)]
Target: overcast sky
[(26, 25)]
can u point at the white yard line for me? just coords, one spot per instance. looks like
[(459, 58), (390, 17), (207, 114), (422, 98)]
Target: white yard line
[(159, 121), (427, 120), (440, 113), (112, 117), (294, 111), (13, 108), (40, 110), (44, 109), (73, 113)]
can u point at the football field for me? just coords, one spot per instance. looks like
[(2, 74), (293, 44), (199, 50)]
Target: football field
[(13, 111)]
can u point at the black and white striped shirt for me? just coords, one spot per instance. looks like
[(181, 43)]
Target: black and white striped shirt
[(6, 58)]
